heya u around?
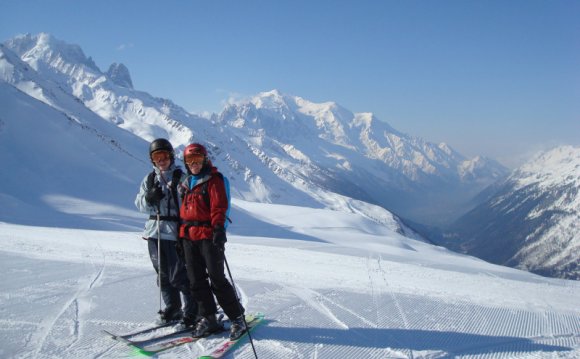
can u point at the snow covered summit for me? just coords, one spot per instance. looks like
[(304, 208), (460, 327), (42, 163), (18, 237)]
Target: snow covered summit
[(355, 154), (119, 74)]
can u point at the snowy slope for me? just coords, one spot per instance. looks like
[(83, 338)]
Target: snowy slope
[(57, 154), (532, 220), (332, 285)]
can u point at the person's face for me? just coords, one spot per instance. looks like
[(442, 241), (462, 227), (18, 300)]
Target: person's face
[(161, 159), (195, 163)]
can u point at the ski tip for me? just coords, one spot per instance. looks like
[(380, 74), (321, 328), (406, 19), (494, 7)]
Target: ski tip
[(253, 316), (114, 336), (141, 352)]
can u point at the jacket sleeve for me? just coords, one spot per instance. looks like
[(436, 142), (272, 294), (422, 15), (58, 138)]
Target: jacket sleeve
[(140, 201), (182, 187), (218, 201)]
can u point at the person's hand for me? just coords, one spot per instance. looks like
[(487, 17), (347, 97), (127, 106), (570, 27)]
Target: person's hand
[(154, 195), (219, 237)]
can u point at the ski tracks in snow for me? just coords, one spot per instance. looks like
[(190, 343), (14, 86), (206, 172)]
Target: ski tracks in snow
[(353, 321), (379, 284), (315, 300), (426, 327), (364, 324), (72, 310)]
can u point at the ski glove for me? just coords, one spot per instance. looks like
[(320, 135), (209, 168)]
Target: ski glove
[(154, 195), (219, 237)]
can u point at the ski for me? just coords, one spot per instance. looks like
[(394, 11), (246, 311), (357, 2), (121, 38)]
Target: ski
[(159, 345), (124, 337), (253, 320), (158, 338), (162, 345)]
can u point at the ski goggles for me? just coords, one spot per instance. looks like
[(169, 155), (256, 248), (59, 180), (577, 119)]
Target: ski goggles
[(194, 159), (160, 156)]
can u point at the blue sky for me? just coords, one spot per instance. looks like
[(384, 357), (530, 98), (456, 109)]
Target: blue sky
[(496, 78)]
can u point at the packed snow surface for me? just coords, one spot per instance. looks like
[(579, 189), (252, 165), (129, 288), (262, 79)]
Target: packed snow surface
[(332, 285)]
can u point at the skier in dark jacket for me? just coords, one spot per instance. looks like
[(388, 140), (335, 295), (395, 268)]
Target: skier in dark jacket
[(203, 236), (158, 196)]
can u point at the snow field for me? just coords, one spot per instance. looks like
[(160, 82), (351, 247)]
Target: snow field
[(62, 287)]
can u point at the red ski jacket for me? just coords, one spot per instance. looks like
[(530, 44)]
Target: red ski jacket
[(204, 205)]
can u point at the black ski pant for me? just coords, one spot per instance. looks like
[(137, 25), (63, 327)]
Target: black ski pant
[(206, 272), (172, 277)]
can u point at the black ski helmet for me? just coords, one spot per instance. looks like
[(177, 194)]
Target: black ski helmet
[(161, 144)]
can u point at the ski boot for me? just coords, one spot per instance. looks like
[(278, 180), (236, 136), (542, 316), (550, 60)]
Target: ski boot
[(189, 320), (206, 326), (238, 327), (169, 314)]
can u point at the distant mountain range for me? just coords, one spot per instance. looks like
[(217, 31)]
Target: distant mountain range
[(531, 220), (277, 145), (356, 155), (274, 147)]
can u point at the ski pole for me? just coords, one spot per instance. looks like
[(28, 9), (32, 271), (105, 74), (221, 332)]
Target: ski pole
[(159, 256), (240, 306)]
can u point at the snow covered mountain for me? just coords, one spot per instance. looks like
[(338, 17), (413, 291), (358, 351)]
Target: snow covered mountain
[(57, 154), (531, 222), (54, 98), (279, 149), (356, 155)]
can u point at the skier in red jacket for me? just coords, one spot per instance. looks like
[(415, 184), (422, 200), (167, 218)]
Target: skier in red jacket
[(203, 237)]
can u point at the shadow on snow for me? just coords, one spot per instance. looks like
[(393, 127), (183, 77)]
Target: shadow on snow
[(246, 224), (452, 343)]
